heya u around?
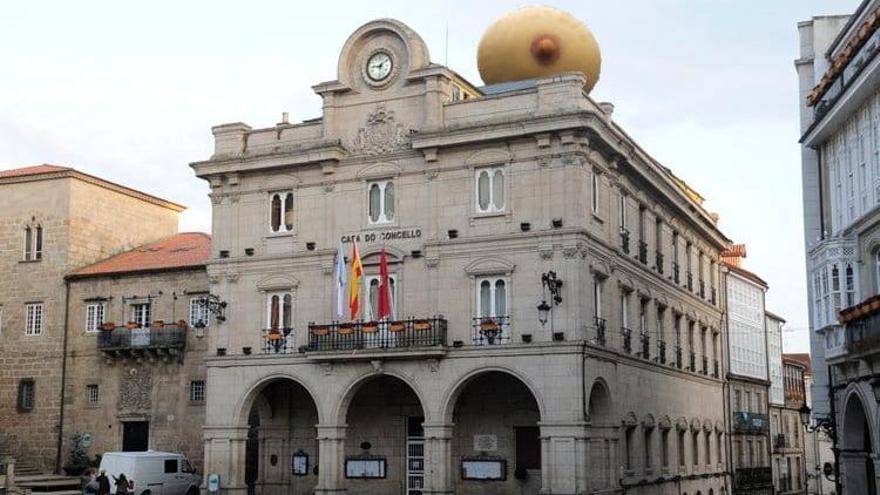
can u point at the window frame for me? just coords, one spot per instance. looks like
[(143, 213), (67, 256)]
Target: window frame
[(368, 299), (492, 208), (34, 323), (33, 242), (145, 320), (281, 294), (493, 301), (197, 303), (283, 196), (27, 395), (93, 322), (594, 192), (93, 394), (197, 387), (383, 218)]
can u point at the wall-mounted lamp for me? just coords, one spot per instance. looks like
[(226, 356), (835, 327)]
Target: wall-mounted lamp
[(553, 285)]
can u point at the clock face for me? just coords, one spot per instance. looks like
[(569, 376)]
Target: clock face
[(379, 66)]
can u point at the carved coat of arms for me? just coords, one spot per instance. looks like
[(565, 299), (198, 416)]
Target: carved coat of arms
[(135, 389), (381, 134)]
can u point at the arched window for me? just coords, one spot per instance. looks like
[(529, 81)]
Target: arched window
[(372, 289), (281, 212), (380, 201), (279, 310), (835, 288), (850, 286), (490, 189), (33, 243)]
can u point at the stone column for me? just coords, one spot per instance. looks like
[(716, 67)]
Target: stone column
[(331, 459), (563, 457), (225, 455), (438, 459)]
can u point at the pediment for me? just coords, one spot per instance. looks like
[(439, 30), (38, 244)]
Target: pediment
[(277, 282), (379, 171), (489, 266), (492, 156)]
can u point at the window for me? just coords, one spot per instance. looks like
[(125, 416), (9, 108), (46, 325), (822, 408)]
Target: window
[(621, 212), (597, 297), (26, 394), (281, 212), (1, 320), (594, 193), (381, 202), (94, 316), (170, 466), (141, 314), (628, 448), (456, 93), (695, 446), (624, 309), (198, 312), (528, 447), (708, 438), (664, 448), (649, 447), (876, 270), (492, 297), (34, 321), (372, 285), (92, 394), (33, 243), (737, 401), (197, 391), (279, 310), (490, 189), (681, 452), (850, 287)]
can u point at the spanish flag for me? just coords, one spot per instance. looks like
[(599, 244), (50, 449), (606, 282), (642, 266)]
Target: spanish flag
[(354, 282)]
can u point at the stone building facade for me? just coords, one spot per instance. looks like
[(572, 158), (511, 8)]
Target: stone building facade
[(136, 348), (749, 377), (838, 73), (474, 194), (54, 219)]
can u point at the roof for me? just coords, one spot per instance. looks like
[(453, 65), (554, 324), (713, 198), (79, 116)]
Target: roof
[(183, 250), (801, 358), (774, 316), (48, 171), (506, 87), (742, 272), (32, 170)]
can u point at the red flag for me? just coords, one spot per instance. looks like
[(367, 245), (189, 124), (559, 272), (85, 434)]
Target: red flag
[(384, 288)]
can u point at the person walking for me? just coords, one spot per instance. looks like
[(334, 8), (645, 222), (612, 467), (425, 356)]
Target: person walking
[(103, 483), (122, 484), (92, 486)]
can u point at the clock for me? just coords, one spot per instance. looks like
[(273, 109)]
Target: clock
[(379, 66)]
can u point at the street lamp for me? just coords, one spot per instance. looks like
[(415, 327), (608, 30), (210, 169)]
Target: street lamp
[(543, 311), (826, 425), (551, 284)]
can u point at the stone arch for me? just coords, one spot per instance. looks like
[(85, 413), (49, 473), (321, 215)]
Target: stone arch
[(451, 396), (417, 51), (857, 426), (489, 266), (600, 407), (340, 409), (246, 402)]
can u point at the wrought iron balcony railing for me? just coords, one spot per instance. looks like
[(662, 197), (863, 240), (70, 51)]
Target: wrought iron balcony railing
[(759, 477), (624, 240), (676, 273), (160, 340), (645, 339), (626, 333), (750, 423), (643, 252), (661, 352), (372, 335), (600, 325), (678, 362), (491, 330), (658, 260), (277, 340)]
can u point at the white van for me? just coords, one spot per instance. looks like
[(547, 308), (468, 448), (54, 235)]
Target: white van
[(152, 472)]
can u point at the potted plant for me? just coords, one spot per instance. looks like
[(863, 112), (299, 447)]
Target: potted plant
[(488, 325), (371, 327), (78, 459), (320, 330), (159, 324), (182, 324), (131, 325), (108, 326), (346, 329), (396, 326), (422, 325), (274, 334)]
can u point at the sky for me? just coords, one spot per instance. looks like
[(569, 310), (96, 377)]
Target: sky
[(129, 91)]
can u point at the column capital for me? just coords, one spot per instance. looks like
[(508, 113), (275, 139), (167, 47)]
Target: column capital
[(437, 430), (331, 432)]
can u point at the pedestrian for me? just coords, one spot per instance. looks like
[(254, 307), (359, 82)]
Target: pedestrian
[(92, 487), (103, 483), (121, 484)]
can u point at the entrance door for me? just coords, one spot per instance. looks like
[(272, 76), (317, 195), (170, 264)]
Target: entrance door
[(415, 455), (135, 436)]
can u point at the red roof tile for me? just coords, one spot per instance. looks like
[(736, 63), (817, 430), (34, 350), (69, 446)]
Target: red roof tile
[(184, 250), (34, 170)]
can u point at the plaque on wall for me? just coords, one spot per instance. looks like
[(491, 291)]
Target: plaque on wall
[(365, 467), (485, 443), (483, 469), (299, 463)]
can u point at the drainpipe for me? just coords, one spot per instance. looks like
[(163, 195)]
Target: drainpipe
[(63, 376)]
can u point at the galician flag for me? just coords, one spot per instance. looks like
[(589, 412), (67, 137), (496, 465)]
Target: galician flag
[(384, 288), (354, 282), (340, 283)]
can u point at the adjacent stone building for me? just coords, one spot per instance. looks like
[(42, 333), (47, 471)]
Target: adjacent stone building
[(136, 347), (54, 219), (483, 199)]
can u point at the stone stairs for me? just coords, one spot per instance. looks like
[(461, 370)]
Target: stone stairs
[(49, 484)]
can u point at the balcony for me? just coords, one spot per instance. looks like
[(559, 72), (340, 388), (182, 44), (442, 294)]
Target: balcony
[(661, 352), (160, 341), (365, 340), (676, 273), (491, 330), (759, 477), (658, 260), (643, 252), (750, 423), (624, 240), (645, 340), (626, 333), (600, 325), (277, 341), (863, 336), (678, 362)]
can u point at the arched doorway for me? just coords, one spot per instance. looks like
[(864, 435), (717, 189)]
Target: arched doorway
[(385, 444), (281, 436), (856, 449), (603, 436), (496, 445)]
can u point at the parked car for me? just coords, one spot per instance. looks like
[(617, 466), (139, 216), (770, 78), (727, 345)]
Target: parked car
[(152, 472)]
